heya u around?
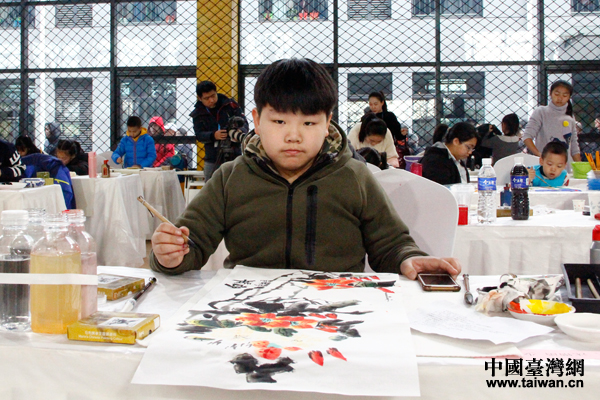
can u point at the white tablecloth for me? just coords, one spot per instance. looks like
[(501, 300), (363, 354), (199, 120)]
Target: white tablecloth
[(34, 366), (48, 197), (115, 218), (555, 199), (538, 245), (163, 191)]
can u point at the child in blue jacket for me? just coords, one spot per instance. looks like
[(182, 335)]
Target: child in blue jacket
[(137, 148)]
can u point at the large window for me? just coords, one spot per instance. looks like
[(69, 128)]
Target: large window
[(585, 5), (73, 16), (147, 12), (292, 10), (449, 7), (147, 98), (369, 9), (10, 104), (74, 109), (10, 17), (463, 99)]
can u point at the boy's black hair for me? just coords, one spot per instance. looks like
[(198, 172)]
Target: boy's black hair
[(512, 123), (371, 125), (381, 97), (134, 122), (205, 87), (296, 85), (374, 157), (463, 131), (557, 148)]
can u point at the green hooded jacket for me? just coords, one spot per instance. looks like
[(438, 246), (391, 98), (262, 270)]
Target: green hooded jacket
[(326, 220)]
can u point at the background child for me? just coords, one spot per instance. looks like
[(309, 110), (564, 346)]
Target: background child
[(503, 145), (546, 123), (136, 149), (296, 198), (373, 132), (551, 171), (156, 128), (72, 156)]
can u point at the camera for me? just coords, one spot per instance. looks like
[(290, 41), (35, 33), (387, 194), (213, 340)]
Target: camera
[(234, 133)]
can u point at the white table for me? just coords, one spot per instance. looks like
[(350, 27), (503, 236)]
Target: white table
[(115, 218), (48, 197), (538, 245), (555, 199), (163, 191), (34, 366)]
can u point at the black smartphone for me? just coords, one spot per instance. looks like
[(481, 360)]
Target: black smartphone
[(438, 282)]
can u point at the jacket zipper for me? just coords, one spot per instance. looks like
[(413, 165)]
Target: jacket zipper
[(134, 153), (311, 224), (288, 230)]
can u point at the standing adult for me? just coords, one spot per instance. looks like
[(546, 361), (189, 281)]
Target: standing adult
[(53, 133), (211, 117), (378, 105)]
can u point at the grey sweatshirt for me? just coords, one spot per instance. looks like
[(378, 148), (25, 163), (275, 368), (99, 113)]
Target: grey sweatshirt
[(546, 125)]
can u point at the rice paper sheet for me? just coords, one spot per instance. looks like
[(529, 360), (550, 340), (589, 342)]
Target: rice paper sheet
[(291, 330)]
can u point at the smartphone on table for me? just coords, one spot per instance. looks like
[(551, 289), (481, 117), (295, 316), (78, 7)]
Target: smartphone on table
[(438, 282)]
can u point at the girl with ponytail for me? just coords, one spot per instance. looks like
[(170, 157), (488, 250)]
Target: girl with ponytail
[(373, 132)]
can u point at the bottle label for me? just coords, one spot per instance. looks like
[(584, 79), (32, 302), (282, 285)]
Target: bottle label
[(518, 182), (486, 184)]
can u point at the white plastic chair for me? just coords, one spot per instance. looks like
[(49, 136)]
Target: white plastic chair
[(504, 165), (428, 209), (105, 156), (373, 168)]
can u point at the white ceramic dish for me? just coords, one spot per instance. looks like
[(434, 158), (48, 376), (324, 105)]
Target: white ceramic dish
[(540, 318), (580, 326), (13, 186)]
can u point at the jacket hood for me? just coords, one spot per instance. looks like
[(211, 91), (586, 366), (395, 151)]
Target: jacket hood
[(144, 131), (334, 147), (55, 132), (158, 121)]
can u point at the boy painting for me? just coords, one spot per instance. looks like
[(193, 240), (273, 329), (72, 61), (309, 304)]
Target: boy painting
[(136, 149), (551, 171), (296, 198)]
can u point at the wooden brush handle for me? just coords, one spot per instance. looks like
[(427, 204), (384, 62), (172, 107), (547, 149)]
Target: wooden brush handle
[(160, 216)]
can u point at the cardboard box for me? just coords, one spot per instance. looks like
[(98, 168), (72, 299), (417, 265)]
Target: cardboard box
[(117, 286), (114, 327), (505, 212)]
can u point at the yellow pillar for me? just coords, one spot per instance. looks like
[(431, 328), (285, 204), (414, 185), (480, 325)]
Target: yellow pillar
[(217, 49)]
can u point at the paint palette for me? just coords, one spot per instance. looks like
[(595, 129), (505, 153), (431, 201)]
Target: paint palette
[(539, 311)]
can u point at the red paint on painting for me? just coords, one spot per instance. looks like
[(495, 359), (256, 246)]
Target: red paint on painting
[(317, 315), (260, 343), (331, 315), (293, 348), (316, 356), (270, 353), (334, 352), (385, 290)]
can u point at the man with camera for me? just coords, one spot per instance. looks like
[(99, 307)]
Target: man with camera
[(218, 123)]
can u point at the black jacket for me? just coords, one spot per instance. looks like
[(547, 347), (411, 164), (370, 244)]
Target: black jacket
[(79, 164), (11, 168), (205, 124), (392, 123), (440, 168)]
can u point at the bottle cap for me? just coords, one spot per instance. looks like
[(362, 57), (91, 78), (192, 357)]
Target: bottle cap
[(486, 161), (518, 160), (15, 217), (596, 233), (75, 215), (105, 161)]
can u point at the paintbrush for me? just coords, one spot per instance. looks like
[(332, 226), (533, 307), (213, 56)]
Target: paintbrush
[(158, 215)]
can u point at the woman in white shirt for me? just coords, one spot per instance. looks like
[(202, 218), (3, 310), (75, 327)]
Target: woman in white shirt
[(373, 132)]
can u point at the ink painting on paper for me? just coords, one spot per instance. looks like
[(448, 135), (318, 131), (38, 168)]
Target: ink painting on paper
[(291, 330)]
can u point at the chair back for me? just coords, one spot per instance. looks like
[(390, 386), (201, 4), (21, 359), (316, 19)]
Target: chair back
[(504, 165), (373, 168), (428, 209), (105, 156)]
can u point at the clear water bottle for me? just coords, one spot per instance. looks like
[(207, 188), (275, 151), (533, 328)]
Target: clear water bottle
[(15, 249), (35, 229), (89, 265), (486, 186), (519, 206)]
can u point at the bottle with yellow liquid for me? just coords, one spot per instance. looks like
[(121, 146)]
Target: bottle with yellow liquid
[(54, 307)]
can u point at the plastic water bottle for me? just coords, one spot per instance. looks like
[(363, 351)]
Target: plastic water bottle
[(519, 207), (486, 185)]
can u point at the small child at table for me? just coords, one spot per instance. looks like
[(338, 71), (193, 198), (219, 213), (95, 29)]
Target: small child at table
[(136, 149), (551, 171), (296, 199)]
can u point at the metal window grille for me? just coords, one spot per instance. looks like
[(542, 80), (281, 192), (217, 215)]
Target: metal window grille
[(466, 60), (369, 9)]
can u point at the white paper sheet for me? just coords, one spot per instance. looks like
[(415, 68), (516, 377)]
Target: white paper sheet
[(443, 318), (293, 321)]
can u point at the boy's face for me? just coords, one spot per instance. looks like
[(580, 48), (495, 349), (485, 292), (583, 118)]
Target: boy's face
[(292, 141), (553, 164), (134, 131)]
